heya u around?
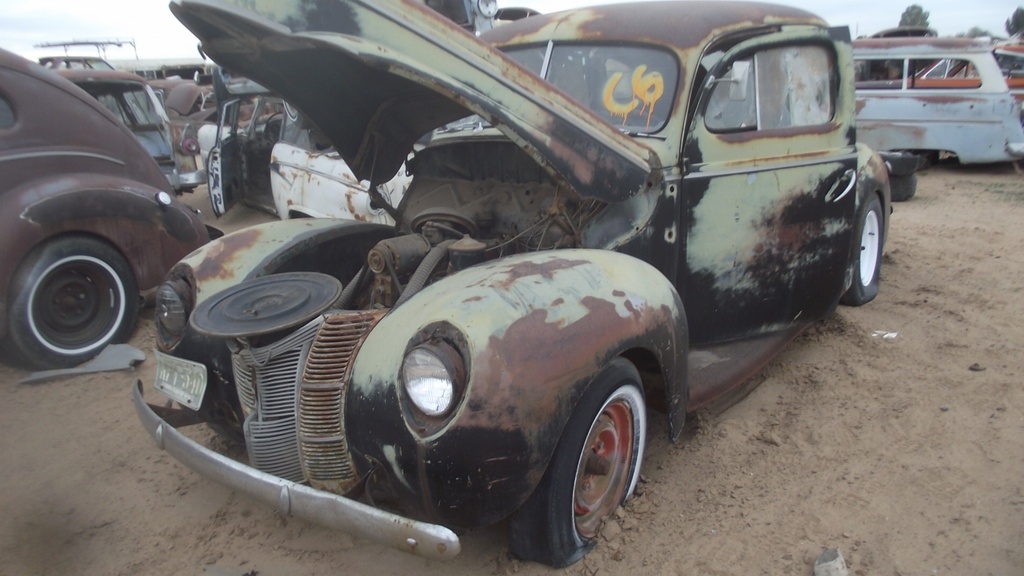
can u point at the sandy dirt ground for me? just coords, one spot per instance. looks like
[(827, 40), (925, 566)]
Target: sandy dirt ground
[(894, 432)]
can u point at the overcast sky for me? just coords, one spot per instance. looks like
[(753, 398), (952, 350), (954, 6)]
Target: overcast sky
[(157, 34)]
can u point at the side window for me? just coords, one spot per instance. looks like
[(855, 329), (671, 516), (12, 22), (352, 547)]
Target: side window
[(6, 114), (776, 88), (879, 74), (946, 73)]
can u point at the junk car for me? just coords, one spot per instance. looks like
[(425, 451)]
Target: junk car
[(938, 97), (268, 156), (309, 179), (655, 198), (238, 164), (189, 106), (89, 222), (128, 97)]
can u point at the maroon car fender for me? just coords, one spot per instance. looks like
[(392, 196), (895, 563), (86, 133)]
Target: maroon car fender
[(120, 211), (532, 331)]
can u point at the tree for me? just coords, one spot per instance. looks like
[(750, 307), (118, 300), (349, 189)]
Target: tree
[(1015, 23), (914, 15), (975, 32)]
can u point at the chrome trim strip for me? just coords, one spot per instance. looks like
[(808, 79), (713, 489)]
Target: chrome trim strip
[(769, 166), (57, 154), (323, 508)]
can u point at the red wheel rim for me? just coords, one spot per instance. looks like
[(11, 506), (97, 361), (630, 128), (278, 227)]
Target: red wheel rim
[(602, 476)]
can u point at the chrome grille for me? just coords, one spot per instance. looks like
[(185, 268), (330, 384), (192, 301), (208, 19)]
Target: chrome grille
[(325, 455), (245, 384), (266, 379)]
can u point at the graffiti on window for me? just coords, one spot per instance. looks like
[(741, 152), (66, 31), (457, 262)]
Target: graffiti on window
[(647, 89)]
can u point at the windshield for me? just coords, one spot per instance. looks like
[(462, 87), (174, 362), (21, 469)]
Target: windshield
[(630, 86)]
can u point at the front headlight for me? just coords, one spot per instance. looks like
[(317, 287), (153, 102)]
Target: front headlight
[(433, 377), (488, 7), (173, 303)]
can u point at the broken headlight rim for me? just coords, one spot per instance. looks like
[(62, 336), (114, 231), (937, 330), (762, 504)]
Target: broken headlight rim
[(433, 383), (172, 308)]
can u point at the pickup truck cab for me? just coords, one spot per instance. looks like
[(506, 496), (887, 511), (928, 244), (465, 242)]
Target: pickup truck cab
[(617, 208)]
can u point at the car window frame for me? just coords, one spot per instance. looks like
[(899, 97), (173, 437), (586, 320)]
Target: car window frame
[(716, 79), (667, 89), (8, 117)]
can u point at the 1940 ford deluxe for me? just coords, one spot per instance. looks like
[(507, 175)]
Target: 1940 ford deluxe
[(618, 208)]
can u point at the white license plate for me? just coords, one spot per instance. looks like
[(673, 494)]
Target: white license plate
[(181, 380)]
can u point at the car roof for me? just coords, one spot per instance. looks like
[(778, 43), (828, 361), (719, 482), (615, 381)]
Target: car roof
[(80, 75), (923, 45), (682, 25)]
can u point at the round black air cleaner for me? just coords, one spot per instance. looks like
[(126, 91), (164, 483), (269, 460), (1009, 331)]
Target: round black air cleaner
[(266, 305)]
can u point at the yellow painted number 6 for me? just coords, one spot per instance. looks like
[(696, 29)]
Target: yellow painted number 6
[(648, 88)]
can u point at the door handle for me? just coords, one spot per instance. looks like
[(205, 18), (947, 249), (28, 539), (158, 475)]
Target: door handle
[(831, 195)]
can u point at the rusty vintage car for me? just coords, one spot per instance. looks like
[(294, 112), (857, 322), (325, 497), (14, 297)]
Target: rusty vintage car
[(938, 97), (268, 156), (88, 222), (651, 201), (189, 106), (131, 99)]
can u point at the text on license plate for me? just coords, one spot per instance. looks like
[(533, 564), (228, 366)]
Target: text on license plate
[(181, 380)]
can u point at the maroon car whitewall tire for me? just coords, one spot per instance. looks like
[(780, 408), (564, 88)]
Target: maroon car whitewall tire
[(72, 296)]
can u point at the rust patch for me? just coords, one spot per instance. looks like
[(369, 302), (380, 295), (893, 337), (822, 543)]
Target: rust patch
[(220, 262), (545, 270), (351, 204), (530, 373), (948, 99)]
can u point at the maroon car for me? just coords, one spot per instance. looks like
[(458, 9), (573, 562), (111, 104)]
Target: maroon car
[(89, 223)]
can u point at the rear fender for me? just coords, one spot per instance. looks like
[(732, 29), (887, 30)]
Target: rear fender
[(122, 212), (873, 178)]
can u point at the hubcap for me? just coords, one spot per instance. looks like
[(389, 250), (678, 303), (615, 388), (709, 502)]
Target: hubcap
[(869, 240), (77, 304), (603, 474)]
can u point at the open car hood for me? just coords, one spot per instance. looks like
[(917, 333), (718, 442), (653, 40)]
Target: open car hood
[(377, 75)]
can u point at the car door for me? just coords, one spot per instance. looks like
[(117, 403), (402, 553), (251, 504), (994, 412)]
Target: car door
[(224, 165), (770, 163)]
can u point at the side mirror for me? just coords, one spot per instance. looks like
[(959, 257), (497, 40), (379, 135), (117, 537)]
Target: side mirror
[(738, 80)]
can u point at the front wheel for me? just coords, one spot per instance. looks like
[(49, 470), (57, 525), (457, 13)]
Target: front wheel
[(71, 297), (594, 468), (868, 263)]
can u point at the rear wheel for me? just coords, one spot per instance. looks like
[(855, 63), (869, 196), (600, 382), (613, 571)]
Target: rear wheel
[(902, 188), (868, 263), (71, 297), (593, 470)]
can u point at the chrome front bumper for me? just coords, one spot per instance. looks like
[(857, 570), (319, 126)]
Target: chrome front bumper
[(299, 500)]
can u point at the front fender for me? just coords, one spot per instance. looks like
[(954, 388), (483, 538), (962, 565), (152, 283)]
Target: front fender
[(535, 330), (332, 246)]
